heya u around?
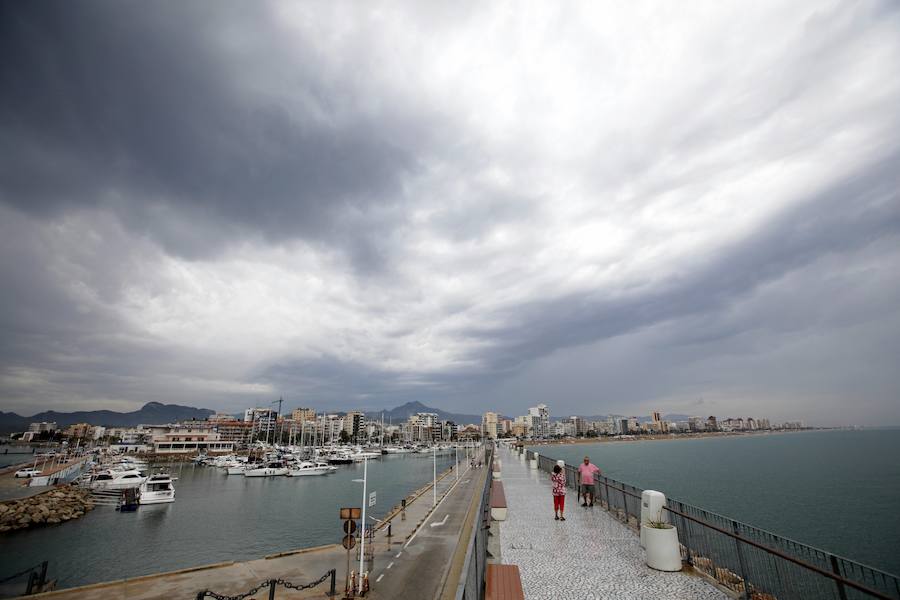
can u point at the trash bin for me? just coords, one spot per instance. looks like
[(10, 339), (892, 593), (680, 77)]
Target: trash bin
[(652, 504)]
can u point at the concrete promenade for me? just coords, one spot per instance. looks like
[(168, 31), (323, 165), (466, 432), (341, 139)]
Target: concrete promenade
[(396, 571), (590, 555)]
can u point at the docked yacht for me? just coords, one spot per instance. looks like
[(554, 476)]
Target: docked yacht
[(311, 468), (158, 489), (272, 469), (116, 480), (236, 469), (339, 457), (361, 455)]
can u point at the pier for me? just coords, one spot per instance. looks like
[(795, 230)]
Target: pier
[(589, 555)]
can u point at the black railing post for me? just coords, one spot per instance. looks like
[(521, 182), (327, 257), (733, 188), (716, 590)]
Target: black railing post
[(842, 593), (740, 555), (201, 595), (32, 576), (271, 589), (625, 502), (331, 589), (42, 579), (685, 528)]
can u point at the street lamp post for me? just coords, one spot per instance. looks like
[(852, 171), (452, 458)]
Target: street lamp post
[(362, 546)]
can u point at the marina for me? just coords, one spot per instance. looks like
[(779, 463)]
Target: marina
[(215, 517)]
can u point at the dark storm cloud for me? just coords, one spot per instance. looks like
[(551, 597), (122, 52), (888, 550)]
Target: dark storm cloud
[(134, 107), (221, 202)]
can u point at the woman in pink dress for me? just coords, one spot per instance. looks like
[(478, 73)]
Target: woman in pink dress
[(558, 479)]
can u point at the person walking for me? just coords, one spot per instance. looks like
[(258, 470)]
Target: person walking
[(559, 493), (586, 472)]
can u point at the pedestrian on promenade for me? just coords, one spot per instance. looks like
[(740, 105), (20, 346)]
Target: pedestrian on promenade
[(586, 472), (559, 493)]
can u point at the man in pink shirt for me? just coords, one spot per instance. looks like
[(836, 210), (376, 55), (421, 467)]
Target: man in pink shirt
[(586, 472)]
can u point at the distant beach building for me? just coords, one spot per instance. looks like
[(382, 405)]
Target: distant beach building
[(42, 426), (301, 415), (189, 441), (489, 425), (264, 419)]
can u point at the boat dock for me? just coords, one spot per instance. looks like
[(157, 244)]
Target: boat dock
[(12, 488)]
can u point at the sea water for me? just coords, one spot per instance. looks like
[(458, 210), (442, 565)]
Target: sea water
[(838, 490), (215, 517)]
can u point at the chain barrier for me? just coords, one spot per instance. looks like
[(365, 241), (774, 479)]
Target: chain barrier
[(270, 582)]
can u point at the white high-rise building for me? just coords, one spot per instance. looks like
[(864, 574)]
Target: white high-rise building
[(540, 421)]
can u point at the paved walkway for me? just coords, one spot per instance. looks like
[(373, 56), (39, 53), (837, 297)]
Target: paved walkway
[(589, 555)]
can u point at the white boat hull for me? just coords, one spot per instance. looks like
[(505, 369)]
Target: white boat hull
[(304, 472), (157, 497), (265, 472)]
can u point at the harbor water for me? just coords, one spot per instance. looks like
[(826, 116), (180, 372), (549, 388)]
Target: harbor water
[(215, 517), (837, 490)]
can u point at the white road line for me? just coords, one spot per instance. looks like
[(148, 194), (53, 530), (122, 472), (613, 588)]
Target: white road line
[(390, 565), (379, 578), (438, 524), (410, 540), (398, 555)]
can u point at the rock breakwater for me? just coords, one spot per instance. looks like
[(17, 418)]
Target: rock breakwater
[(52, 507)]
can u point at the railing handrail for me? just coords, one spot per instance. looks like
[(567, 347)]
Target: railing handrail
[(477, 524), (835, 577)]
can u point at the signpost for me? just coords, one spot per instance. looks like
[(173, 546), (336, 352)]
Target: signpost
[(349, 517), (371, 499)]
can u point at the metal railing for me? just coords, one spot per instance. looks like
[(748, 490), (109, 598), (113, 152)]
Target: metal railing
[(753, 563), (34, 580), (471, 581)]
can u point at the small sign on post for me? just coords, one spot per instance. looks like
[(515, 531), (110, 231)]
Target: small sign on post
[(349, 516), (372, 499)]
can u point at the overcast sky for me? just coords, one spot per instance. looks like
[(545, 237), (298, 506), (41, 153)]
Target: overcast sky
[(606, 207)]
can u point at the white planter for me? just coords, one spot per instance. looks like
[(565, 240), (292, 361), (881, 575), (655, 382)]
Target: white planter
[(662, 548)]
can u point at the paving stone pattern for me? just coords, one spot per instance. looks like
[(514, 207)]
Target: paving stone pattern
[(589, 555)]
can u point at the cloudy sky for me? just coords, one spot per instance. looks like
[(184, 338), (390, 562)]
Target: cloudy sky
[(606, 207)]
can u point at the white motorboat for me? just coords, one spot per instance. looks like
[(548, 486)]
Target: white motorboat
[(310, 468), (236, 469), (158, 489), (272, 469), (116, 480)]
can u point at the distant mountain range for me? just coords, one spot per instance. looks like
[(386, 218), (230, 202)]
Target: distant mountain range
[(150, 413), (401, 413)]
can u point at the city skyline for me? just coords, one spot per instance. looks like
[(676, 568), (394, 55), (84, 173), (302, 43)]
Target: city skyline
[(610, 209)]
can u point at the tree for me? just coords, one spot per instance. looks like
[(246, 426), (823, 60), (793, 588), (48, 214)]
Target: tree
[(345, 437)]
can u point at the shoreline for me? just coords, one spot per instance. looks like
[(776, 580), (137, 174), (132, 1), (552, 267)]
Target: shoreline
[(655, 437)]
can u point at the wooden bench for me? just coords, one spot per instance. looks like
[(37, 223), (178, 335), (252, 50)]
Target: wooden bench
[(498, 501), (502, 582)]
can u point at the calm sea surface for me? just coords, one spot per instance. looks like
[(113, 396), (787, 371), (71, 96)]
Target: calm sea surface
[(836, 490), (215, 517)]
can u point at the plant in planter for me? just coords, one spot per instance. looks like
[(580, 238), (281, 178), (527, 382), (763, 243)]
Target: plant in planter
[(661, 539)]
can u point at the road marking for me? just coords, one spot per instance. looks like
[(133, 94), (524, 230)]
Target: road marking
[(433, 510), (379, 578), (398, 555), (390, 565), (438, 524)]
